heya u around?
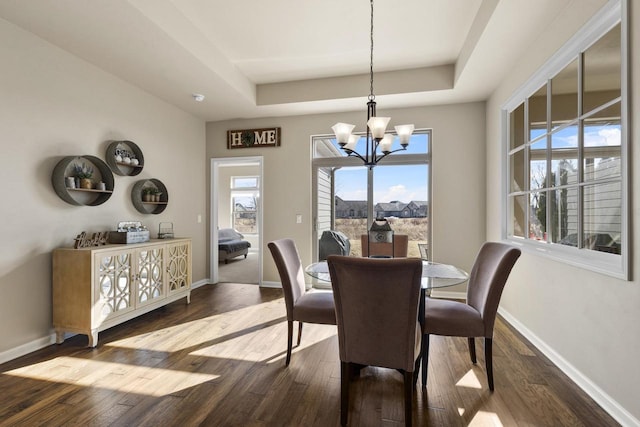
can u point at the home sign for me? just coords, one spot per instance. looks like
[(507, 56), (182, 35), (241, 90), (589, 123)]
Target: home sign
[(246, 138)]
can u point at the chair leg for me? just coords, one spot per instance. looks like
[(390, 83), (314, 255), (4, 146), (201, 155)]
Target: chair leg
[(472, 350), (416, 369), (289, 341), (299, 332), (425, 358), (488, 359), (345, 369), (408, 398)]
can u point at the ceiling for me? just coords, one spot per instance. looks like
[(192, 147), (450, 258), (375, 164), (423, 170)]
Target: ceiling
[(257, 58)]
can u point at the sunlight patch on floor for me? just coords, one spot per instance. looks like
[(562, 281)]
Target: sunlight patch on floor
[(121, 377), (469, 380), (482, 419), (227, 325)]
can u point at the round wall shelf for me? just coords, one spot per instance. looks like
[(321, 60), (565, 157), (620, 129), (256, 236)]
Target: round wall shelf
[(63, 176), (125, 158), (141, 200)]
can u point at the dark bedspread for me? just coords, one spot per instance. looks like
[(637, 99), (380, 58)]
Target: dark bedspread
[(233, 245)]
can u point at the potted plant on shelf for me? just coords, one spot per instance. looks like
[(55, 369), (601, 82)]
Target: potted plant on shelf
[(84, 173), (156, 195), (147, 194)]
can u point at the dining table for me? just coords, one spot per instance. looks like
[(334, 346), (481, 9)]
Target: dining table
[(435, 275)]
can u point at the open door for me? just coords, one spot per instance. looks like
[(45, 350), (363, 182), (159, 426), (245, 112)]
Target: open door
[(236, 214)]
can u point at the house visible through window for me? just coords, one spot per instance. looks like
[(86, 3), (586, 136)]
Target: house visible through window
[(244, 203), (566, 153)]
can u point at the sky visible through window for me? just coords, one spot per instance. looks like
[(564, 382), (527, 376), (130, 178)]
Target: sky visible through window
[(404, 183), (601, 135)]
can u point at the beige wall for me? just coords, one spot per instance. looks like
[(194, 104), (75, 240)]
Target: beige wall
[(458, 175), (590, 322), (54, 105)]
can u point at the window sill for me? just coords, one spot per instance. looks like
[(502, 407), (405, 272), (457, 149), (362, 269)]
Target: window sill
[(599, 262)]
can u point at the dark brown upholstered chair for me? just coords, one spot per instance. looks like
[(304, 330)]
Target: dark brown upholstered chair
[(400, 246), (377, 316), (476, 317), (303, 306)]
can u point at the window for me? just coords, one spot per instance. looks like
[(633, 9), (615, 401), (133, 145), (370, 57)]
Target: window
[(244, 203), (566, 192), (348, 195)]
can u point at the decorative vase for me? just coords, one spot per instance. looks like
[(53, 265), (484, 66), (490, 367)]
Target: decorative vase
[(101, 186), (86, 183), (71, 182)]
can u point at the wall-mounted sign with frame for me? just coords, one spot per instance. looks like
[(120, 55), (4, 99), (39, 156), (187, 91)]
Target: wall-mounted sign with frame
[(247, 138)]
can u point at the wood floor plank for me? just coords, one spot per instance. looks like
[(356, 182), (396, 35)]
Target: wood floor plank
[(219, 361)]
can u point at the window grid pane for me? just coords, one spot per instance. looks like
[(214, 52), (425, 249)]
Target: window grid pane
[(572, 191)]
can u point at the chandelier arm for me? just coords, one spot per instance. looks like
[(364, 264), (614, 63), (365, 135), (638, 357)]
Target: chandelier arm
[(355, 153), (377, 159)]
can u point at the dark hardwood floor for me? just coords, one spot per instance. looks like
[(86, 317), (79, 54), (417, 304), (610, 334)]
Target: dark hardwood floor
[(220, 362)]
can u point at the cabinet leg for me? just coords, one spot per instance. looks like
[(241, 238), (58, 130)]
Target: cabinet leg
[(59, 336), (93, 338), (189, 297)]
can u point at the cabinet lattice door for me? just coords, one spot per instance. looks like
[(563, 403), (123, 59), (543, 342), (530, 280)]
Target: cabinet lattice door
[(114, 277), (150, 275), (178, 265)]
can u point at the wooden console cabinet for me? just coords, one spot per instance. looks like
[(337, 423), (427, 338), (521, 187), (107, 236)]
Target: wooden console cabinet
[(100, 287)]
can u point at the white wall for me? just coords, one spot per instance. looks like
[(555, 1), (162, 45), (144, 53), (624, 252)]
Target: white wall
[(588, 322), (53, 105), (458, 175)]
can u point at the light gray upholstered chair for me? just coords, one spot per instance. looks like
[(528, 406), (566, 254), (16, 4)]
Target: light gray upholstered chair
[(377, 315), (477, 316), (303, 306)]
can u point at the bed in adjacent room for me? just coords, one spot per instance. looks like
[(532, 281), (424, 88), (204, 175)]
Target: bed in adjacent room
[(231, 245)]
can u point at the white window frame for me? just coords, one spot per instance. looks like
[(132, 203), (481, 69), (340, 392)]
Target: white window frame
[(399, 159), (249, 191), (613, 13)]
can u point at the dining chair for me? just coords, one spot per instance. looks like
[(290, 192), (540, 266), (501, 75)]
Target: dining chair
[(476, 316), (399, 247), (301, 305), (377, 316)]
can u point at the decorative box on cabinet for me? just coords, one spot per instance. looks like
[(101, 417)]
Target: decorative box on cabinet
[(100, 287)]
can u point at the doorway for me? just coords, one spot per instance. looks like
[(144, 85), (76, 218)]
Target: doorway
[(236, 204)]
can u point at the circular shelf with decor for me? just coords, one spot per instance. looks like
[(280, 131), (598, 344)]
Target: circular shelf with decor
[(125, 158), (149, 196), (82, 180)]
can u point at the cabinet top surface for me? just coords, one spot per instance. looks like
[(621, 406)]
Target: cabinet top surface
[(112, 246)]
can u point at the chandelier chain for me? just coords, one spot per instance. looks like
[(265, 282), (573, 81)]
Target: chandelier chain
[(371, 95)]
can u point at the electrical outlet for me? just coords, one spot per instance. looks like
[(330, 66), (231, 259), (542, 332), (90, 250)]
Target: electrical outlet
[(298, 219)]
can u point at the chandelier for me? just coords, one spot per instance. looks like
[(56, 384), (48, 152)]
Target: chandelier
[(378, 142)]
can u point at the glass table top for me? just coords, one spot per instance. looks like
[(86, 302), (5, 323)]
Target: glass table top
[(434, 275)]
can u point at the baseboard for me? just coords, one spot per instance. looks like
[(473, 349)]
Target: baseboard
[(435, 293), (199, 283), (266, 284), (619, 413), (27, 348)]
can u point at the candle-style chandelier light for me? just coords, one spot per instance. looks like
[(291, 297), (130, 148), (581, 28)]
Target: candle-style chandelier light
[(376, 128)]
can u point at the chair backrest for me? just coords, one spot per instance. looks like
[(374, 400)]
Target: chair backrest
[(285, 254), (377, 309), (487, 279), (400, 246)]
